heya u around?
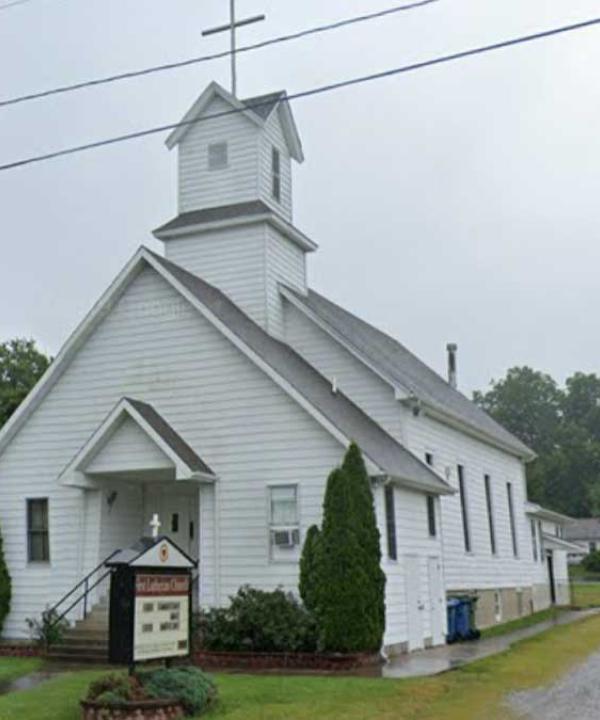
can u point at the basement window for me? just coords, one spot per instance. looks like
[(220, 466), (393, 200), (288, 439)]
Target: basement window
[(390, 522), (38, 546), (217, 156)]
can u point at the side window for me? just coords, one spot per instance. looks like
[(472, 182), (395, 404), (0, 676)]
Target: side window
[(541, 537), (276, 173), (38, 545), (284, 523), (534, 544), (511, 515), (431, 516), (464, 507), (217, 156), (390, 522), (490, 512)]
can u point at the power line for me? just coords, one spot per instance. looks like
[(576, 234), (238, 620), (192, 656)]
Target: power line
[(313, 91), (214, 56), (7, 5)]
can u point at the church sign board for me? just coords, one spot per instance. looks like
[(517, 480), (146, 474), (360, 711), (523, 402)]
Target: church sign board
[(150, 602)]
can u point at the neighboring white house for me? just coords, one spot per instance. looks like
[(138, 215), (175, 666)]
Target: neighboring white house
[(585, 533), (214, 387)]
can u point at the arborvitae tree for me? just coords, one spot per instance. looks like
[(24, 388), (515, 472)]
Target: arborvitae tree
[(308, 584), (5, 588), (343, 613), (368, 536)]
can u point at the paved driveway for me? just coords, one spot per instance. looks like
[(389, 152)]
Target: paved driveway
[(576, 695)]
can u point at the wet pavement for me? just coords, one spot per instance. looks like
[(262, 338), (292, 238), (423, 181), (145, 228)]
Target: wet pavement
[(448, 657), (27, 682)]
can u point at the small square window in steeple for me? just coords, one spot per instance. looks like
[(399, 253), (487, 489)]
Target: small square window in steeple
[(217, 156)]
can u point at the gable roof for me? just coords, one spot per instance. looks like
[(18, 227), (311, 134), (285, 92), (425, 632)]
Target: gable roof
[(333, 410), (583, 529), (546, 514), (402, 369), (257, 109), (188, 465)]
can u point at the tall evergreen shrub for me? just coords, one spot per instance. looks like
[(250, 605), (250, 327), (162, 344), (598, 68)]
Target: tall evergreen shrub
[(309, 584), (369, 541), (343, 616), (5, 587)]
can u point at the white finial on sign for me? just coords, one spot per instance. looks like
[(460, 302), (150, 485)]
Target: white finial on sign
[(231, 27), (155, 524)]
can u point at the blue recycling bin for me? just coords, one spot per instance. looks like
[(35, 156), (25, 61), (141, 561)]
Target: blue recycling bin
[(463, 619), (452, 606)]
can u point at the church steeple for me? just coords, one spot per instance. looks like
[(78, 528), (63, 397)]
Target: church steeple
[(233, 226)]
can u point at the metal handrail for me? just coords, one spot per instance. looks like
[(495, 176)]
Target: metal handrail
[(87, 589)]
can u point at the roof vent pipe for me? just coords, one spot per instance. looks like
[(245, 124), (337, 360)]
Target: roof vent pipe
[(452, 348)]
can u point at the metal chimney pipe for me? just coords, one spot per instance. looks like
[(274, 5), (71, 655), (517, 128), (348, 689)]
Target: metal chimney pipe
[(452, 348)]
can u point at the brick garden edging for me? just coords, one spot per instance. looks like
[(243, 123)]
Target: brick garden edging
[(140, 710), (283, 661), (20, 650)]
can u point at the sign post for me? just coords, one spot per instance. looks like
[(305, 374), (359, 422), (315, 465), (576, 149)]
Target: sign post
[(150, 602)]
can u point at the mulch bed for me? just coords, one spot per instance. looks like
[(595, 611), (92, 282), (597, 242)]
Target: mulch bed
[(284, 661)]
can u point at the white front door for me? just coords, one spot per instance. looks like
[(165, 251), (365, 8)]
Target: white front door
[(436, 600), (414, 602), (178, 516)]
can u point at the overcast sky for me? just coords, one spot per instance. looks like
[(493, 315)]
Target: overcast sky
[(459, 203)]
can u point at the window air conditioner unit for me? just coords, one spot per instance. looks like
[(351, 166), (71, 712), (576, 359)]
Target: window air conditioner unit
[(286, 538)]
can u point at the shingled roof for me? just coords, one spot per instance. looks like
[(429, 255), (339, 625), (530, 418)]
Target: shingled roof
[(403, 368), (382, 449)]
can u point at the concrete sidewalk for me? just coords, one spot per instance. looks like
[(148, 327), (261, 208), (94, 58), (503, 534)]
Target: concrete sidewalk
[(447, 657)]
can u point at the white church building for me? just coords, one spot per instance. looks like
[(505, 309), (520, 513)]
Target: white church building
[(213, 387)]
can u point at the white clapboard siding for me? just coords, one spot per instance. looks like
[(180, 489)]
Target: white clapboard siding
[(234, 260), (449, 447), (272, 137), (286, 264), (200, 187), (479, 568), (160, 350), (128, 448)]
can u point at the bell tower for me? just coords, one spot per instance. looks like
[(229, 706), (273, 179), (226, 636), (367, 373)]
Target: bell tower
[(234, 223)]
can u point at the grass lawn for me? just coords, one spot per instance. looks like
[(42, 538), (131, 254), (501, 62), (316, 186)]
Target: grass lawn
[(527, 621), (586, 594), (470, 693), (12, 668)]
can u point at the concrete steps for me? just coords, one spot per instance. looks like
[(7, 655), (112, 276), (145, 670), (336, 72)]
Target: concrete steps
[(87, 640)]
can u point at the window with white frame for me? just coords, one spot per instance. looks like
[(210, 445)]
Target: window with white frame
[(38, 543), (276, 174), (284, 524), (534, 544), (217, 156), (462, 491)]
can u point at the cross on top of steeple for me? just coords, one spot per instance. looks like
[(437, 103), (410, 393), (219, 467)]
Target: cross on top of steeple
[(231, 27)]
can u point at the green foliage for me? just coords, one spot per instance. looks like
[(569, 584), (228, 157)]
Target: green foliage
[(258, 621), (308, 584), (345, 620), (21, 366), (5, 588), (367, 533), (48, 629), (562, 426), (188, 685), (591, 562)]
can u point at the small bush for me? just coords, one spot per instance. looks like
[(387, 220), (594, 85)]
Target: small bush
[(258, 621), (48, 629), (5, 588), (188, 685), (591, 562)]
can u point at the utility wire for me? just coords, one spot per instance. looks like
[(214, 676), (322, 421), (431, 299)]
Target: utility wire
[(7, 5), (215, 56), (308, 93)]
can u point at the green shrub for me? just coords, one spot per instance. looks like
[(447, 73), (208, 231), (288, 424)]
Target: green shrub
[(5, 588), (48, 629), (369, 541), (308, 584), (188, 685), (591, 562), (258, 621)]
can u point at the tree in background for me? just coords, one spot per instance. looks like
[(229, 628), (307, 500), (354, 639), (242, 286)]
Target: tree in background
[(341, 581), (562, 425), (5, 588), (21, 366)]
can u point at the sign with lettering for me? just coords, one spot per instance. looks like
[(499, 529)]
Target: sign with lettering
[(161, 616)]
